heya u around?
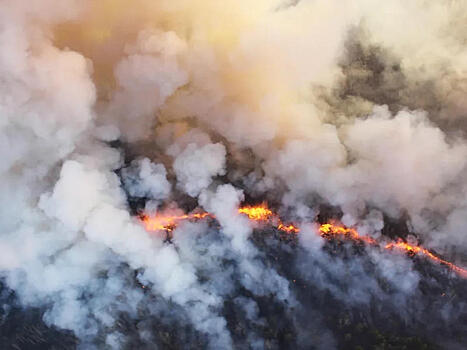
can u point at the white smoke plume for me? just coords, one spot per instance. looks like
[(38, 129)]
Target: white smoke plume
[(195, 167), (198, 104)]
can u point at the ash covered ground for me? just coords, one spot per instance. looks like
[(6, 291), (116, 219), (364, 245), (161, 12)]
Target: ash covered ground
[(346, 113)]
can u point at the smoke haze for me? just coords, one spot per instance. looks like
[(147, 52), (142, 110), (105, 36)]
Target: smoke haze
[(326, 109)]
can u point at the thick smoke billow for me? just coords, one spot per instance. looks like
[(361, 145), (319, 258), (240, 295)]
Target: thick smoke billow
[(329, 110), (195, 167)]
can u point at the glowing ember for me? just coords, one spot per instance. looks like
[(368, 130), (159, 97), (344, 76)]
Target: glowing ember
[(168, 222), (263, 214)]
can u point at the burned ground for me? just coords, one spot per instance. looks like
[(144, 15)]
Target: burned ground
[(316, 316)]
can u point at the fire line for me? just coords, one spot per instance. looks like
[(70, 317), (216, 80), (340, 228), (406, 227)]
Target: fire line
[(262, 214)]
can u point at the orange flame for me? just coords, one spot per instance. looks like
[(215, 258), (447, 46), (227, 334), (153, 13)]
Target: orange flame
[(261, 213), (326, 230), (329, 230), (288, 229), (168, 222), (417, 250), (257, 213)]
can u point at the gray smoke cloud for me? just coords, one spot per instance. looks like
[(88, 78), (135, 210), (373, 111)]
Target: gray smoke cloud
[(197, 104)]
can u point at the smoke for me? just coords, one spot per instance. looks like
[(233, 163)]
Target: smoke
[(327, 109), (144, 179), (195, 167)]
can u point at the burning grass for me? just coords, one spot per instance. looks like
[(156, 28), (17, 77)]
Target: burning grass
[(263, 215)]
